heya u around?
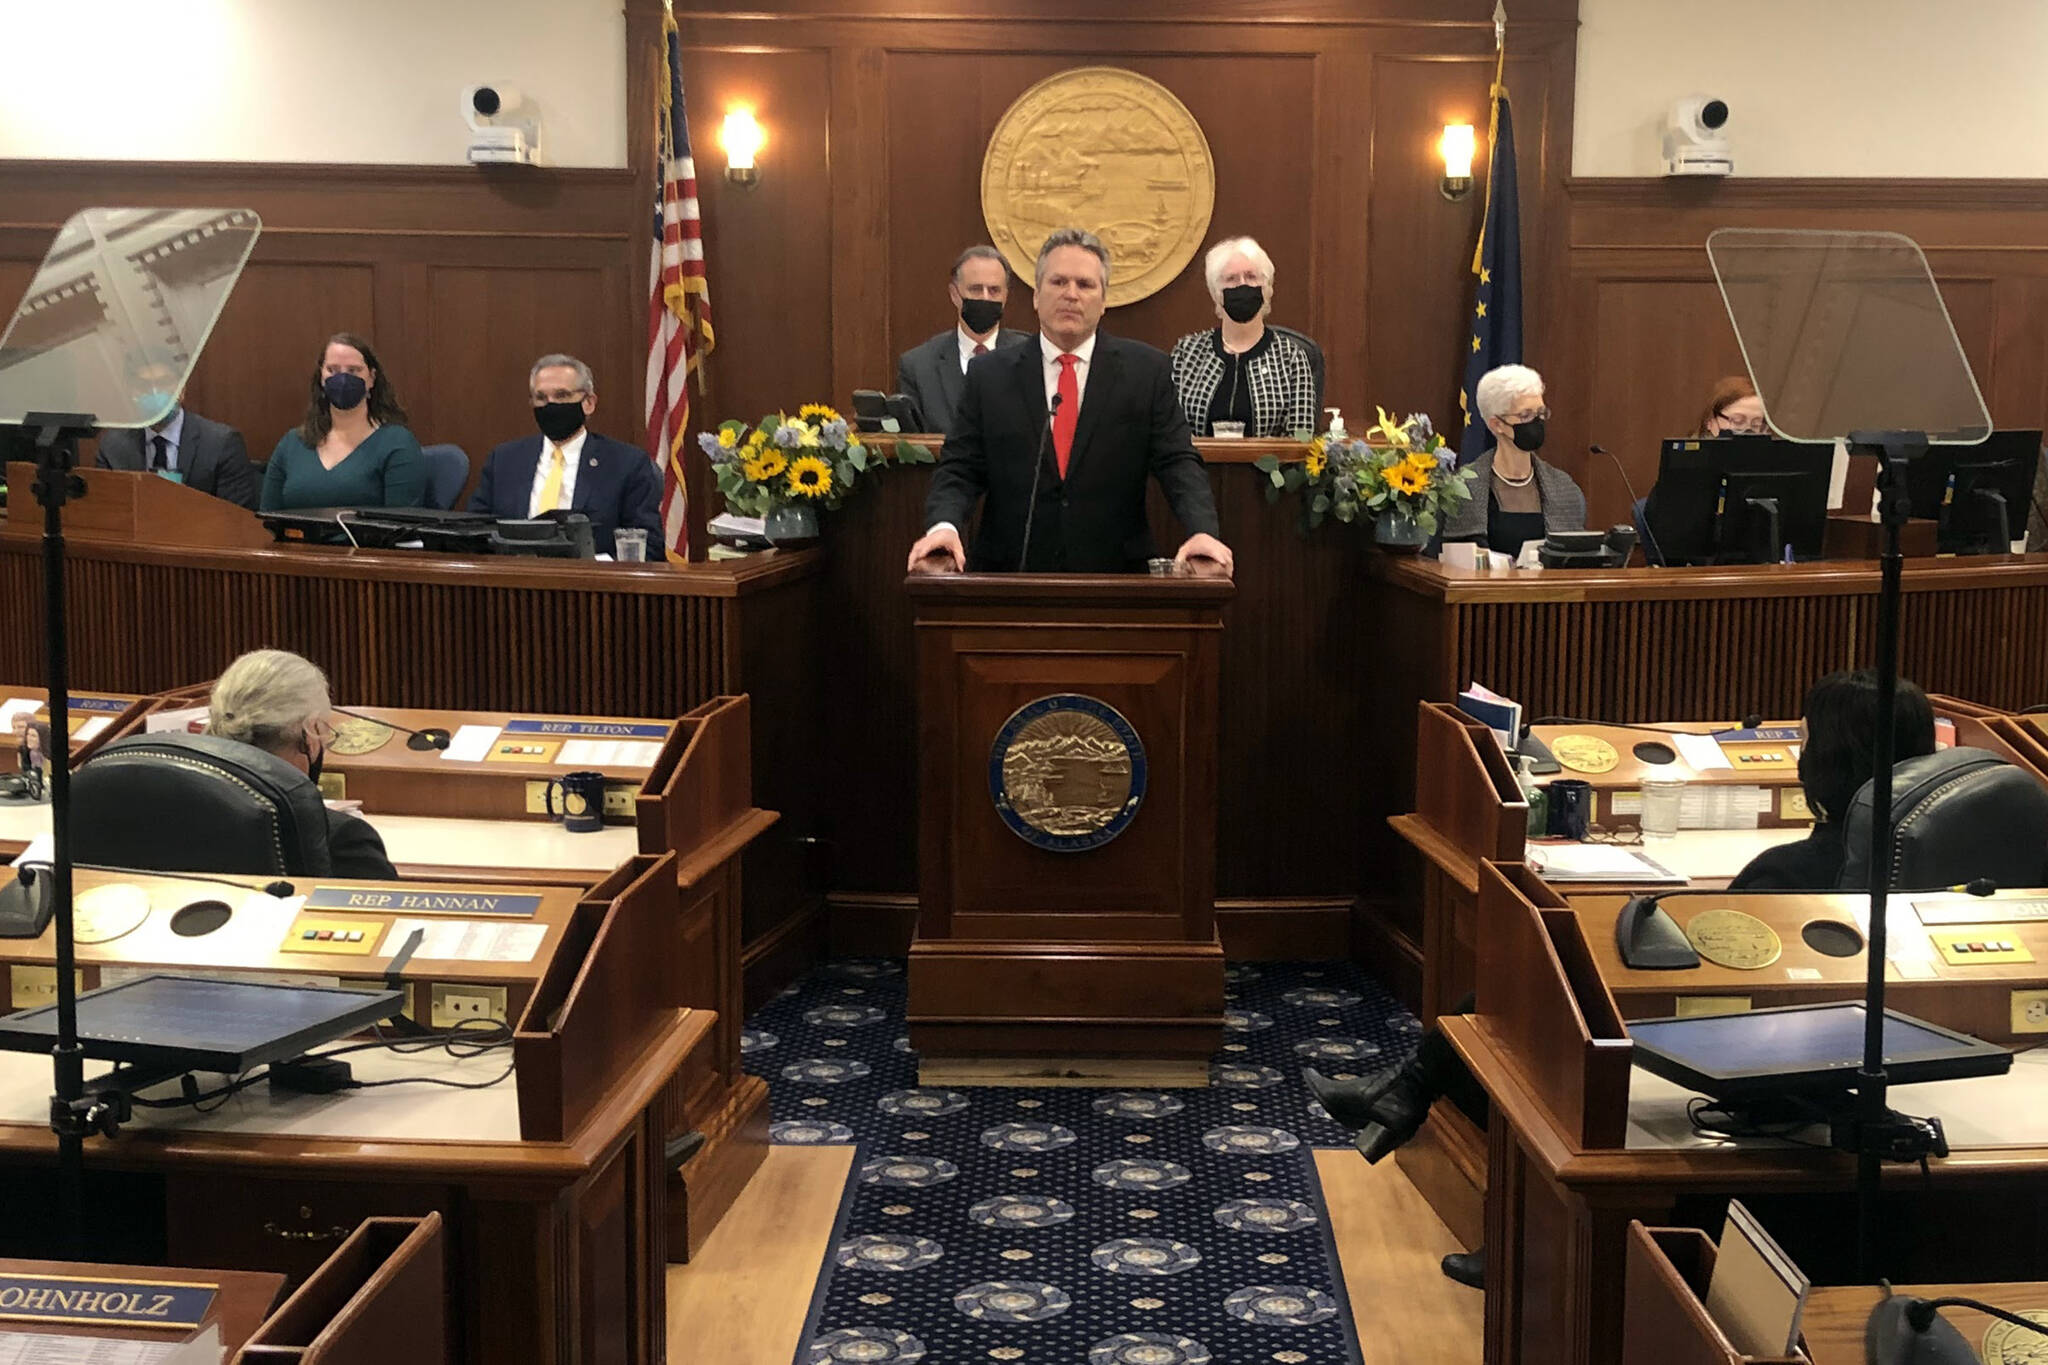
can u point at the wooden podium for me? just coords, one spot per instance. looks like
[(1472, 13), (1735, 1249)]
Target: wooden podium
[(1067, 861), (122, 507)]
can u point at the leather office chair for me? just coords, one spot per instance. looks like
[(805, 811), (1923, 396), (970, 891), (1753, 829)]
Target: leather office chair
[(177, 802), (447, 472), (1315, 357), (1957, 815)]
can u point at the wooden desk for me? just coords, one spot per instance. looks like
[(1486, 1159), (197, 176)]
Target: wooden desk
[(1580, 1143), (563, 1206), (95, 717), (1834, 1316), (244, 1300), (501, 636)]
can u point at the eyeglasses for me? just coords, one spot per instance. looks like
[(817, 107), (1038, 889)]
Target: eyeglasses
[(1732, 426), (320, 728), (1515, 419), (560, 396), (1600, 834)]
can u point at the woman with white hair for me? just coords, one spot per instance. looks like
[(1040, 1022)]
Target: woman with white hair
[(1525, 499), (1242, 370), (273, 700)]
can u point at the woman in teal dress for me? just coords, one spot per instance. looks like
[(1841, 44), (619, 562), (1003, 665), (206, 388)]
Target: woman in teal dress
[(353, 449)]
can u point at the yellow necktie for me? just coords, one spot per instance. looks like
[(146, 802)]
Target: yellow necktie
[(551, 486)]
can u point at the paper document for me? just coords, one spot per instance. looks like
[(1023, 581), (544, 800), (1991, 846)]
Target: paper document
[(91, 728), (1597, 863), (471, 940), (1905, 938), (607, 753), (15, 706), (1757, 1291), (1702, 753), (1838, 476), (1708, 805), (43, 1348), (186, 719), (471, 743)]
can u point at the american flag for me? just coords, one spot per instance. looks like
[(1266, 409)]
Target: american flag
[(678, 297)]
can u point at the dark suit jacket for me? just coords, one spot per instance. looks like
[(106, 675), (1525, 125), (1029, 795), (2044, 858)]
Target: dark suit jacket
[(211, 456), (931, 374), (615, 487), (1093, 521), (357, 849)]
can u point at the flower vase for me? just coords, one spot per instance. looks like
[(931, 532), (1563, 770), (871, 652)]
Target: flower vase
[(791, 526), (1396, 533)]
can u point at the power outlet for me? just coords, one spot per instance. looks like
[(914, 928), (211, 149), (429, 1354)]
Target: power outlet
[(451, 1004), (1792, 807), (2030, 1011)]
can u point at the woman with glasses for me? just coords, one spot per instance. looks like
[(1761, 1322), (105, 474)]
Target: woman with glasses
[(1516, 498), (1733, 409)]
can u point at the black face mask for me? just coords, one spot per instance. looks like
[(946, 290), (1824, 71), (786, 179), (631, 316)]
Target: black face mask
[(344, 391), (315, 762), (1528, 435), (1243, 302), (979, 315), (558, 421)]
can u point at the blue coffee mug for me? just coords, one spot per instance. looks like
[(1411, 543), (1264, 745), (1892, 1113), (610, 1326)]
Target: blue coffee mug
[(582, 801)]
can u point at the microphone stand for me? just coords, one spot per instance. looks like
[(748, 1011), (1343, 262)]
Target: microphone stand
[(71, 1114), (1037, 469)]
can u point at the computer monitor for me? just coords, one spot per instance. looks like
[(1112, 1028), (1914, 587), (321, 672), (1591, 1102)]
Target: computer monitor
[(1802, 1049), (1980, 494), (1738, 500)]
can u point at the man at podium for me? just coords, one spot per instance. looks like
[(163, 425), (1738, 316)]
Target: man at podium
[(1060, 437)]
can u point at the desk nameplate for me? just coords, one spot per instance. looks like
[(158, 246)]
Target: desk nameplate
[(80, 1301), (422, 902)]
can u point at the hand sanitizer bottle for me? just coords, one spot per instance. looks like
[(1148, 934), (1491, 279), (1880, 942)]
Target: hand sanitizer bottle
[(1336, 432)]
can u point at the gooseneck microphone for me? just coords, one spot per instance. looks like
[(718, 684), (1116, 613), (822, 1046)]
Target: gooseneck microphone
[(1052, 411), (1622, 470), (431, 738)]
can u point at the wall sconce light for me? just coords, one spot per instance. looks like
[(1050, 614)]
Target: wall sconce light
[(741, 137), (1457, 149)]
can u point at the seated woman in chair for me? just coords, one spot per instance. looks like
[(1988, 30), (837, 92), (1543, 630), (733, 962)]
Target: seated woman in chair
[(275, 701), (1242, 370), (1834, 761)]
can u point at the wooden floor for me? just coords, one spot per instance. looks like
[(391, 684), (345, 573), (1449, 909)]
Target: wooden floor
[(1390, 1242), (743, 1300)]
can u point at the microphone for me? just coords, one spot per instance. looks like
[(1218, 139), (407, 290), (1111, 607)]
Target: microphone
[(431, 738), (1052, 411), (1622, 470)]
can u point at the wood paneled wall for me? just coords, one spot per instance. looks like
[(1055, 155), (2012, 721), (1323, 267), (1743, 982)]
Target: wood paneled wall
[(1646, 335), (459, 276), (1322, 117)]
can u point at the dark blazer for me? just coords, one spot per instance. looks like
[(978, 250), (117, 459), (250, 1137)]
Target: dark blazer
[(211, 456), (615, 487), (931, 374), (1131, 426), (357, 849)]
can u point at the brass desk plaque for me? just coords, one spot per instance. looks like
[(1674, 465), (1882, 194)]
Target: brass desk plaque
[(1108, 150), (2005, 1344), (1733, 938), (1585, 753), (353, 737)]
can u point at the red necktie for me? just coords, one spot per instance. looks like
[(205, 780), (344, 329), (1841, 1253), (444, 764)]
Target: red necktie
[(980, 348), (1069, 415)]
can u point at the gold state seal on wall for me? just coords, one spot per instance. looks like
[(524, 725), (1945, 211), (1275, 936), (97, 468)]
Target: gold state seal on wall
[(1109, 150), (1067, 773)]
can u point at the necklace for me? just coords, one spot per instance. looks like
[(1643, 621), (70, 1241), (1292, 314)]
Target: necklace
[(1522, 482)]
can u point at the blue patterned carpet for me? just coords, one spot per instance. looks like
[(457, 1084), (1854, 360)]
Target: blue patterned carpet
[(1066, 1226)]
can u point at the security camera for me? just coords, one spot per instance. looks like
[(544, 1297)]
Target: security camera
[(1695, 142), (503, 128)]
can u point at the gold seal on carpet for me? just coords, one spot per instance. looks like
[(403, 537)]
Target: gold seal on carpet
[(2005, 1344), (1108, 150), (353, 737), (1732, 938), (1585, 753)]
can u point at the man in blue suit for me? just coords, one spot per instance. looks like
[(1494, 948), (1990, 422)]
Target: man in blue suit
[(570, 466)]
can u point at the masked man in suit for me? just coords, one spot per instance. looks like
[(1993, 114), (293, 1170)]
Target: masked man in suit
[(1095, 414), (934, 372), (568, 466), (198, 452)]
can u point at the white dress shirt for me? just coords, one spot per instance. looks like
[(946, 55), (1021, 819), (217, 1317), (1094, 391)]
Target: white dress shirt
[(1085, 353), (968, 341), (572, 449), (173, 433)]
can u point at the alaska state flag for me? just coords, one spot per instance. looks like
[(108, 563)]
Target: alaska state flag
[(1496, 319)]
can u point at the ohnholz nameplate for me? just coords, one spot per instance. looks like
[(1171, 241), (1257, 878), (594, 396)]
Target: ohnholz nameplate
[(104, 1303)]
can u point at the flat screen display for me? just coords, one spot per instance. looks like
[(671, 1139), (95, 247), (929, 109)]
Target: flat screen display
[(1803, 1047)]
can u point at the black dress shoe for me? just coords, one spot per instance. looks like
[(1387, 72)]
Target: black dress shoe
[(1348, 1102), (1397, 1115), (1467, 1267)]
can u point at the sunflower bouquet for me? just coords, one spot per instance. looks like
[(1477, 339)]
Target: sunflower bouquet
[(1396, 470), (813, 459)]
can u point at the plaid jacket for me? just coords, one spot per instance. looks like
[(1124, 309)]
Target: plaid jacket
[(1282, 381)]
